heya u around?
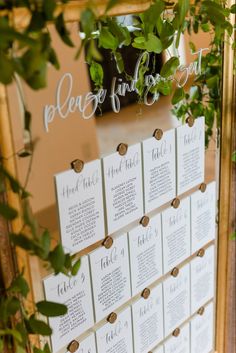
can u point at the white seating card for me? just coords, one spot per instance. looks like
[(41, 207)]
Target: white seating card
[(148, 321), (190, 155), (202, 279), (145, 245), (202, 331), (159, 170), (176, 234), (123, 188), (158, 350), (75, 293), (180, 344), (176, 299), (203, 206), (110, 277), (88, 345), (80, 204), (117, 337)]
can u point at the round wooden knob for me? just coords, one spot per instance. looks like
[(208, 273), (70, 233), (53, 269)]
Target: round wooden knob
[(201, 311), (201, 253), (175, 272), (112, 318), (176, 332), (158, 133), (190, 121), (144, 221), (122, 149), (108, 242), (77, 165), (73, 346), (146, 293), (175, 203), (203, 187)]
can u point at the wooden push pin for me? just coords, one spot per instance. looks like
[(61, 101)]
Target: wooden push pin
[(108, 241), (158, 133), (201, 253), (73, 346), (146, 293), (176, 332), (175, 272), (122, 149), (175, 203), (190, 121), (203, 187), (77, 165), (112, 318), (201, 311), (144, 221)]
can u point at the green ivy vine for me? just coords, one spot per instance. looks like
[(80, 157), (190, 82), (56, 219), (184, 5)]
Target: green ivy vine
[(26, 53)]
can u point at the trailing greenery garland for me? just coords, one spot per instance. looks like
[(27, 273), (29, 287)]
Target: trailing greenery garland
[(27, 53)]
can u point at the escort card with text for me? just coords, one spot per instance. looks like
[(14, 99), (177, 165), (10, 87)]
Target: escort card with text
[(190, 155), (180, 344), (159, 170), (203, 213), (88, 345), (176, 299), (75, 293), (158, 350), (176, 234), (110, 277), (123, 187), (80, 204), (116, 337), (202, 331), (145, 245), (148, 321), (202, 279)]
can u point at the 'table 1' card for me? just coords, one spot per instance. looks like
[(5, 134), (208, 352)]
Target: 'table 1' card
[(145, 246), (75, 293), (203, 212), (176, 299), (159, 170), (88, 345), (148, 321), (176, 234), (80, 204), (117, 337), (190, 155), (110, 277), (123, 188), (180, 344)]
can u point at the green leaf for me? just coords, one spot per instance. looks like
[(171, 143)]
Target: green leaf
[(39, 327), (153, 44), (234, 156), (76, 267), (111, 3), (183, 7), (8, 212), (45, 243), (6, 69), (119, 61), (37, 22), (107, 40), (19, 285), (51, 309), (87, 21), (12, 305), (22, 241), (233, 236), (1, 345), (233, 8), (57, 258), (169, 68), (178, 96), (49, 7), (11, 332), (53, 59), (62, 30), (96, 73)]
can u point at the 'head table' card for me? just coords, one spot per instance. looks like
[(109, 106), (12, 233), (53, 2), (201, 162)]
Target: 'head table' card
[(190, 155), (116, 337), (110, 277), (203, 210), (159, 170), (80, 204), (123, 187), (176, 299), (88, 345), (176, 234), (148, 321), (145, 246), (180, 344), (75, 293), (202, 279), (202, 331)]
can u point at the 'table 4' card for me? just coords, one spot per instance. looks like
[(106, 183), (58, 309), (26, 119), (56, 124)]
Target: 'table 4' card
[(116, 337), (75, 293), (80, 204), (159, 170), (180, 344), (123, 188), (190, 155)]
